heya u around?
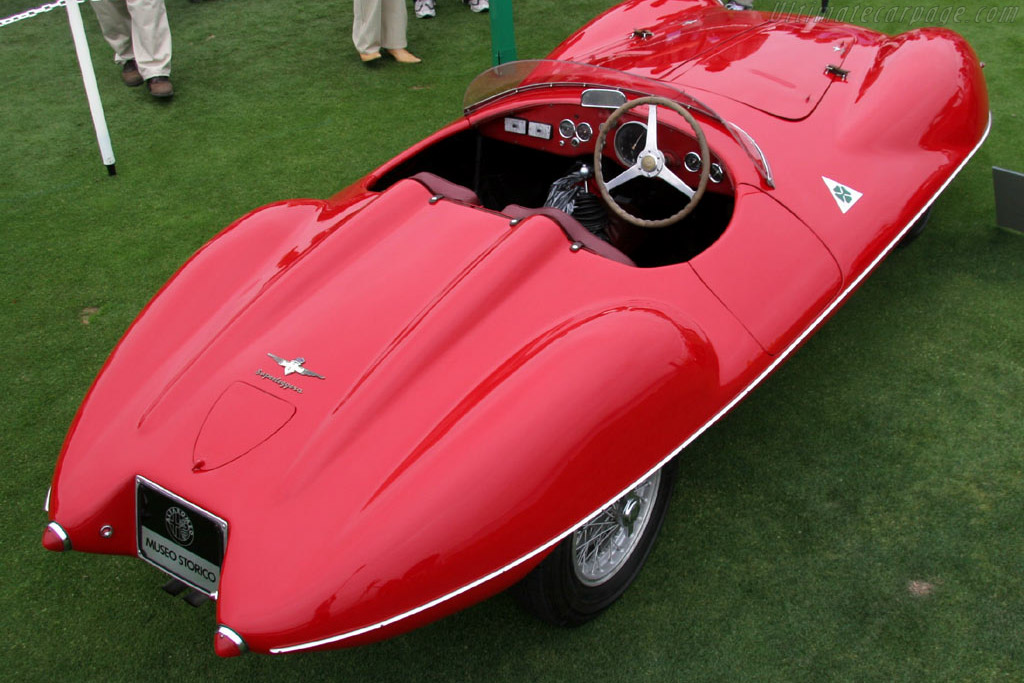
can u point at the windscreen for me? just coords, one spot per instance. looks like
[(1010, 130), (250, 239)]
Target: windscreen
[(513, 78)]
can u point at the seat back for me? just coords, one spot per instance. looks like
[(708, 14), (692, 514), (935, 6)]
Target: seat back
[(440, 187), (573, 229)]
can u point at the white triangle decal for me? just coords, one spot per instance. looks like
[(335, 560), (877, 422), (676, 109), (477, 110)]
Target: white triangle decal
[(844, 195)]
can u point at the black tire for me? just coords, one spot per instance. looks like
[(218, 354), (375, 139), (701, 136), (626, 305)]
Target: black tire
[(559, 591), (916, 229)]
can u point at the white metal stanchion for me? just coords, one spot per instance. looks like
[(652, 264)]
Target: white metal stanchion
[(99, 122)]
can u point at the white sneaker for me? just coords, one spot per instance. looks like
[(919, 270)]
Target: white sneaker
[(424, 9), (478, 5)]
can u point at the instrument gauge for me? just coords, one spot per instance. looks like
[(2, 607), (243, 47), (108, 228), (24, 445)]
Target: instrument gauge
[(691, 162), (567, 129), (629, 141), (584, 132)]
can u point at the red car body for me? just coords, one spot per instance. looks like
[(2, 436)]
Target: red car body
[(484, 386)]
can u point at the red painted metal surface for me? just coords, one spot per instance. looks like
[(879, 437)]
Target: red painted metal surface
[(484, 387)]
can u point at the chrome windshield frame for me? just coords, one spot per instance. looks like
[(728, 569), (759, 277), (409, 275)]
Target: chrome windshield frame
[(515, 78)]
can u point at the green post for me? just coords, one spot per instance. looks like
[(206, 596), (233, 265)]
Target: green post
[(503, 33)]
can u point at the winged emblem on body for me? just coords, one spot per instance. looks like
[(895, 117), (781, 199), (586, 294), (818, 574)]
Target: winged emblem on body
[(291, 366)]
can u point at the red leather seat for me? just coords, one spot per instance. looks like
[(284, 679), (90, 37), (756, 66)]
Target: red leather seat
[(440, 187), (573, 228)]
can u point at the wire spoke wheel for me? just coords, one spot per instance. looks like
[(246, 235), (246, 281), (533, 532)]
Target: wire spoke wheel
[(591, 568), (601, 546)]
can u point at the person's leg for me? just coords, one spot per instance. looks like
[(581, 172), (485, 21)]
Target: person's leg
[(116, 26), (394, 21), (151, 37), (366, 26)]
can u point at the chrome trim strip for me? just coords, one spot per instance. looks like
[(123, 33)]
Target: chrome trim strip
[(233, 636), (782, 356), (46, 504), (61, 534), (769, 177)]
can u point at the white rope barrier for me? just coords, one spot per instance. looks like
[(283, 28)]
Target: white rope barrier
[(35, 11)]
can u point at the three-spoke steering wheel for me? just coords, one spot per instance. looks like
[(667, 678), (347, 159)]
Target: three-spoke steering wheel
[(650, 163)]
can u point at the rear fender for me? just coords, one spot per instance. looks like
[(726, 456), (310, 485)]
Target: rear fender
[(562, 428), (206, 293), (925, 71)]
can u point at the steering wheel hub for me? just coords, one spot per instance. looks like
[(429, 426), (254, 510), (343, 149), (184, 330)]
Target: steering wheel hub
[(651, 161)]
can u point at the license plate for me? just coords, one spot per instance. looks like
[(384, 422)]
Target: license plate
[(179, 537)]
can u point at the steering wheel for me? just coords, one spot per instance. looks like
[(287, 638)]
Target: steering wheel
[(650, 163)]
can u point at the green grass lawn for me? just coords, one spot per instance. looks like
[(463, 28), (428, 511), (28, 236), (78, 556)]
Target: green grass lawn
[(859, 517)]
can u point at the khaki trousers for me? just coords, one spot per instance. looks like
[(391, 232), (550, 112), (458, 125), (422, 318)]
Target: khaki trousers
[(137, 29), (379, 23)]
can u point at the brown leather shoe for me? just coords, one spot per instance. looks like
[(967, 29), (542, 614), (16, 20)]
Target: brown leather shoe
[(160, 86), (130, 74)]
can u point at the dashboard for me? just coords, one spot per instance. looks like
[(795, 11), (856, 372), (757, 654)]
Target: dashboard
[(571, 131)]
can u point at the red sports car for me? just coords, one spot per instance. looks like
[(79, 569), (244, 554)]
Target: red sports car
[(472, 369)]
